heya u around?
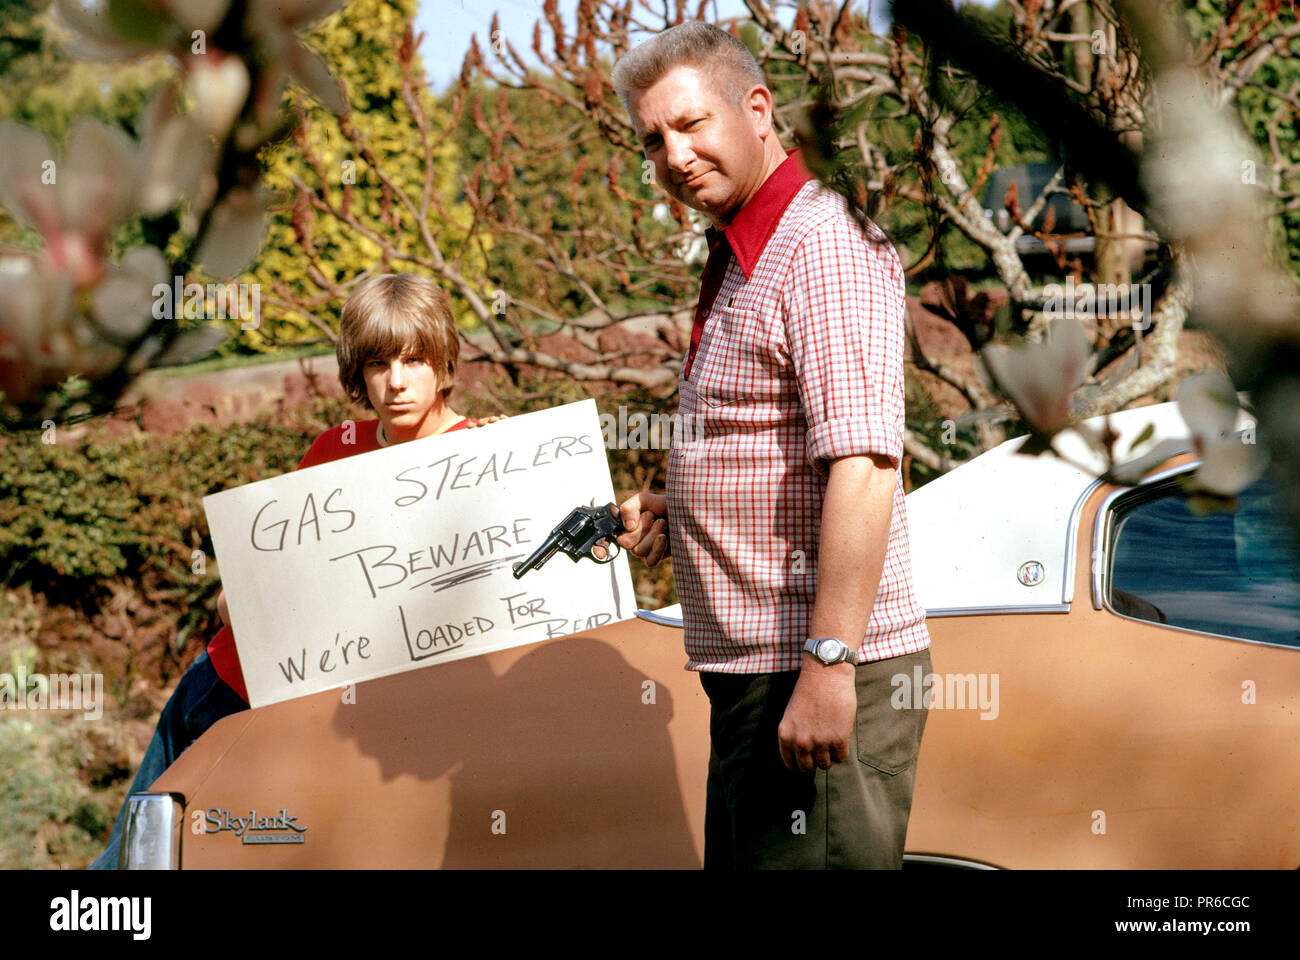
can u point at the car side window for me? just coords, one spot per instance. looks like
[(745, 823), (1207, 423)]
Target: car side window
[(1230, 574)]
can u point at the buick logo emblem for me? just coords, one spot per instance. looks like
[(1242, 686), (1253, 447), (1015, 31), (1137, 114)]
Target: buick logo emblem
[(1031, 573)]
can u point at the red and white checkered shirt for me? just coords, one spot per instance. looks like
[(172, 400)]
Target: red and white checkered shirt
[(799, 362)]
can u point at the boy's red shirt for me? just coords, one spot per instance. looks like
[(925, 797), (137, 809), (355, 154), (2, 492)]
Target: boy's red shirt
[(327, 447)]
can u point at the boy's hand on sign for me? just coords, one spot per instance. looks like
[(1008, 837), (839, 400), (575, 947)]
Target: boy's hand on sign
[(484, 421), (222, 609)]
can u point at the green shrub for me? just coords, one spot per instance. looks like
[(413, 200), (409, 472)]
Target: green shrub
[(48, 816), (73, 512)]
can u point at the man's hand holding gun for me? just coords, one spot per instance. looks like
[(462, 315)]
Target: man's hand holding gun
[(640, 524), (645, 525)]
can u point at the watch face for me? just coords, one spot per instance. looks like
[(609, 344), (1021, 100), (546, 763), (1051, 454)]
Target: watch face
[(829, 649)]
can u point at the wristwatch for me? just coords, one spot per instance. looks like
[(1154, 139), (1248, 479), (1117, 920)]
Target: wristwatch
[(829, 650)]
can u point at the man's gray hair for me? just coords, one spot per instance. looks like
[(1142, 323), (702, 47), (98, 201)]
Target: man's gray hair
[(690, 44)]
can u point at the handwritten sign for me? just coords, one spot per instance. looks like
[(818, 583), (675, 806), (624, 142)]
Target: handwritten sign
[(401, 558)]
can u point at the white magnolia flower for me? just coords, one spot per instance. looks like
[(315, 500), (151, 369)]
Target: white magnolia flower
[(123, 300), (235, 235), (114, 29), (205, 15), (1229, 463), (274, 23), (1040, 378), (90, 30), (102, 179), (175, 154), (43, 340), (218, 83), (73, 200)]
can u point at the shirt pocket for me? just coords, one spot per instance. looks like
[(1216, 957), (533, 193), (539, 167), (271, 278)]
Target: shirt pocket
[(725, 369)]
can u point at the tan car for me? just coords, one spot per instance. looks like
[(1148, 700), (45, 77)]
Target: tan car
[(1116, 684)]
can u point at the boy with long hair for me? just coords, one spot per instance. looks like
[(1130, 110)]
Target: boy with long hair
[(397, 353)]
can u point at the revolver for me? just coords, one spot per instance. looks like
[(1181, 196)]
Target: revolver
[(578, 535)]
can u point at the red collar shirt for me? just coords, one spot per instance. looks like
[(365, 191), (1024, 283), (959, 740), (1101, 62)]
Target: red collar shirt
[(797, 360)]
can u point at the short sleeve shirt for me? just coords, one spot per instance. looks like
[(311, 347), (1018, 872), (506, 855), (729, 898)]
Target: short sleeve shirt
[(799, 362)]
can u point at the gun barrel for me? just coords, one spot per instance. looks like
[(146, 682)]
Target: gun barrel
[(537, 559)]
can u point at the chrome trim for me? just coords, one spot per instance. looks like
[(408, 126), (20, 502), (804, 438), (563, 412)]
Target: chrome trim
[(653, 616), (1100, 537), (1005, 608), (151, 836), (939, 860), (1101, 527), (1072, 541)]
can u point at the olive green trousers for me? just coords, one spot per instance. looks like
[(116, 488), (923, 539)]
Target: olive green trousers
[(762, 815)]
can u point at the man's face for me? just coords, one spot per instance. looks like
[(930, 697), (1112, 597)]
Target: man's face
[(706, 151), (403, 390)]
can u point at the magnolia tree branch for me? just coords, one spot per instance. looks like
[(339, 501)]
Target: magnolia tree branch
[(1168, 316)]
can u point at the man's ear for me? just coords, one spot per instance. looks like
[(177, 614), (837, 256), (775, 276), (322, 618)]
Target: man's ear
[(759, 107)]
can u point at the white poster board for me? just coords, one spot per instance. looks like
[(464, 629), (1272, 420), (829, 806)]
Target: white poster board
[(401, 558)]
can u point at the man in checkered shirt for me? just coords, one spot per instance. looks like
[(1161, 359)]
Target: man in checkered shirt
[(784, 511)]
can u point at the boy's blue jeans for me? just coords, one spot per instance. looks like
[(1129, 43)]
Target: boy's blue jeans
[(201, 699)]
